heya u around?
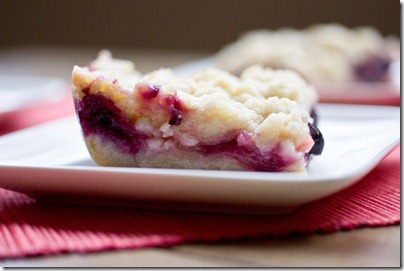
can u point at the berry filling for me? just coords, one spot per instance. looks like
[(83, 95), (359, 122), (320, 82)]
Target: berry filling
[(175, 109), (244, 150), (170, 103), (148, 92), (99, 115), (373, 69)]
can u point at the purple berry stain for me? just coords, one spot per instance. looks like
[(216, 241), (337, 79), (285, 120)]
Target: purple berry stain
[(373, 69), (175, 109), (244, 150), (171, 103), (100, 116)]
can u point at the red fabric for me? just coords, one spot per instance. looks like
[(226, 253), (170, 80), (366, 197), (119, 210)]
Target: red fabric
[(29, 228)]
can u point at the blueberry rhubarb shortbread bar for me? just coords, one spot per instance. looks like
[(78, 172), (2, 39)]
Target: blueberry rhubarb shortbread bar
[(259, 121), (320, 53)]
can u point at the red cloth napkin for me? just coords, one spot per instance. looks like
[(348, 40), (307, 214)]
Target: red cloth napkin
[(29, 228)]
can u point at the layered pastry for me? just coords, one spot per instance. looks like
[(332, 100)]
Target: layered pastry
[(259, 121), (321, 53)]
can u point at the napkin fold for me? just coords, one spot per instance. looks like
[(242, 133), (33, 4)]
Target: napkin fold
[(31, 228)]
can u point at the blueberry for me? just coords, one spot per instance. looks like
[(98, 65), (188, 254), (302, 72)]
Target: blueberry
[(315, 133)]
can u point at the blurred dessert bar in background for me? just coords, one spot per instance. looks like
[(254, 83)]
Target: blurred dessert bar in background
[(322, 53)]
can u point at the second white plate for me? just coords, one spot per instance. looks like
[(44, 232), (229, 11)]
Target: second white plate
[(371, 93)]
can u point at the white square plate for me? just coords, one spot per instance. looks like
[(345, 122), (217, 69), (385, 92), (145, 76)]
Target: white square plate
[(51, 161)]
